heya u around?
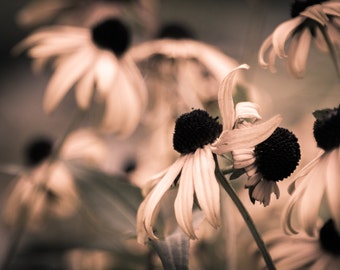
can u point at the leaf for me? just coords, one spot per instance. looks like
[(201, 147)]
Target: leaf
[(237, 173), (173, 251)]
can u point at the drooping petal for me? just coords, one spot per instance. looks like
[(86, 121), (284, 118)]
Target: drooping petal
[(84, 89), (248, 137), (331, 8), (298, 52), (206, 185), (281, 35), (158, 192), (267, 43), (332, 178), (225, 98), (243, 158), (316, 13), (68, 71), (185, 199)]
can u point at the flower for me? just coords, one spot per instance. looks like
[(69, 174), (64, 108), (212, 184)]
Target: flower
[(317, 19), (181, 72), (270, 161), (86, 13), (92, 58), (47, 188), (197, 137), (302, 251), (318, 182)]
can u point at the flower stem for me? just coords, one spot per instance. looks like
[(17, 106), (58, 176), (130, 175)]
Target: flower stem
[(330, 47), (244, 213)]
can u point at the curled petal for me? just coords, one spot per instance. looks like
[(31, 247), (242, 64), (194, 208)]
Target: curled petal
[(263, 191), (225, 98), (298, 52), (331, 8), (267, 43), (282, 33), (247, 110)]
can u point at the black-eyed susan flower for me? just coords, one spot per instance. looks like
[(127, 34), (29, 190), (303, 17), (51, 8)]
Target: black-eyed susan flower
[(197, 137), (265, 164), (91, 59), (311, 19), (47, 188), (318, 182), (302, 251)]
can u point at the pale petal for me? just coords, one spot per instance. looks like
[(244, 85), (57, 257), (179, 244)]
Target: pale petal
[(311, 200), (298, 52), (322, 262), (272, 60), (316, 13), (185, 199), (105, 71), (267, 43), (282, 33), (84, 144), (247, 110), (243, 158), (248, 137), (206, 186), (225, 98), (332, 178), (68, 71), (158, 192), (331, 8), (84, 89)]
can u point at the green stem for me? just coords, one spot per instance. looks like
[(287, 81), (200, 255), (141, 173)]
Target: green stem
[(330, 47), (244, 213)]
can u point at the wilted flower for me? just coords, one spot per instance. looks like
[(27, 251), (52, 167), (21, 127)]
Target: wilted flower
[(197, 137), (294, 252), (265, 164), (313, 19), (318, 181), (88, 59), (48, 189)]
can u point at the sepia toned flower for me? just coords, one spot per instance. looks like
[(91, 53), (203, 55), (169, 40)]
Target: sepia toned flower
[(317, 20)]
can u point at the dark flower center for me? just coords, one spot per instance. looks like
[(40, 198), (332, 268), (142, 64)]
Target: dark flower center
[(300, 5), (278, 156), (327, 128), (329, 238), (37, 151), (175, 31), (195, 130), (113, 35)]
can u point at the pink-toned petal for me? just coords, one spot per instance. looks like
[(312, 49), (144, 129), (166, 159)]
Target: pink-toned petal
[(206, 186), (225, 97), (266, 45), (67, 73), (331, 8), (263, 190), (84, 89), (243, 158), (105, 71), (272, 60), (158, 192), (323, 261), (248, 137), (298, 52), (316, 13), (185, 199), (253, 180), (311, 200), (332, 176), (282, 33), (247, 110)]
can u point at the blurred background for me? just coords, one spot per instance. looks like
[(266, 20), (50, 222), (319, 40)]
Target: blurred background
[(236, 27)]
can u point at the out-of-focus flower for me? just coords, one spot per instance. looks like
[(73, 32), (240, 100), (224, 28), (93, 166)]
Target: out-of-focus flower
[(318, 182), (89, 12), (181, 72), (197, 137), (48, 189), (313, 19), (294, 252), (271, 161), (88, 59)]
